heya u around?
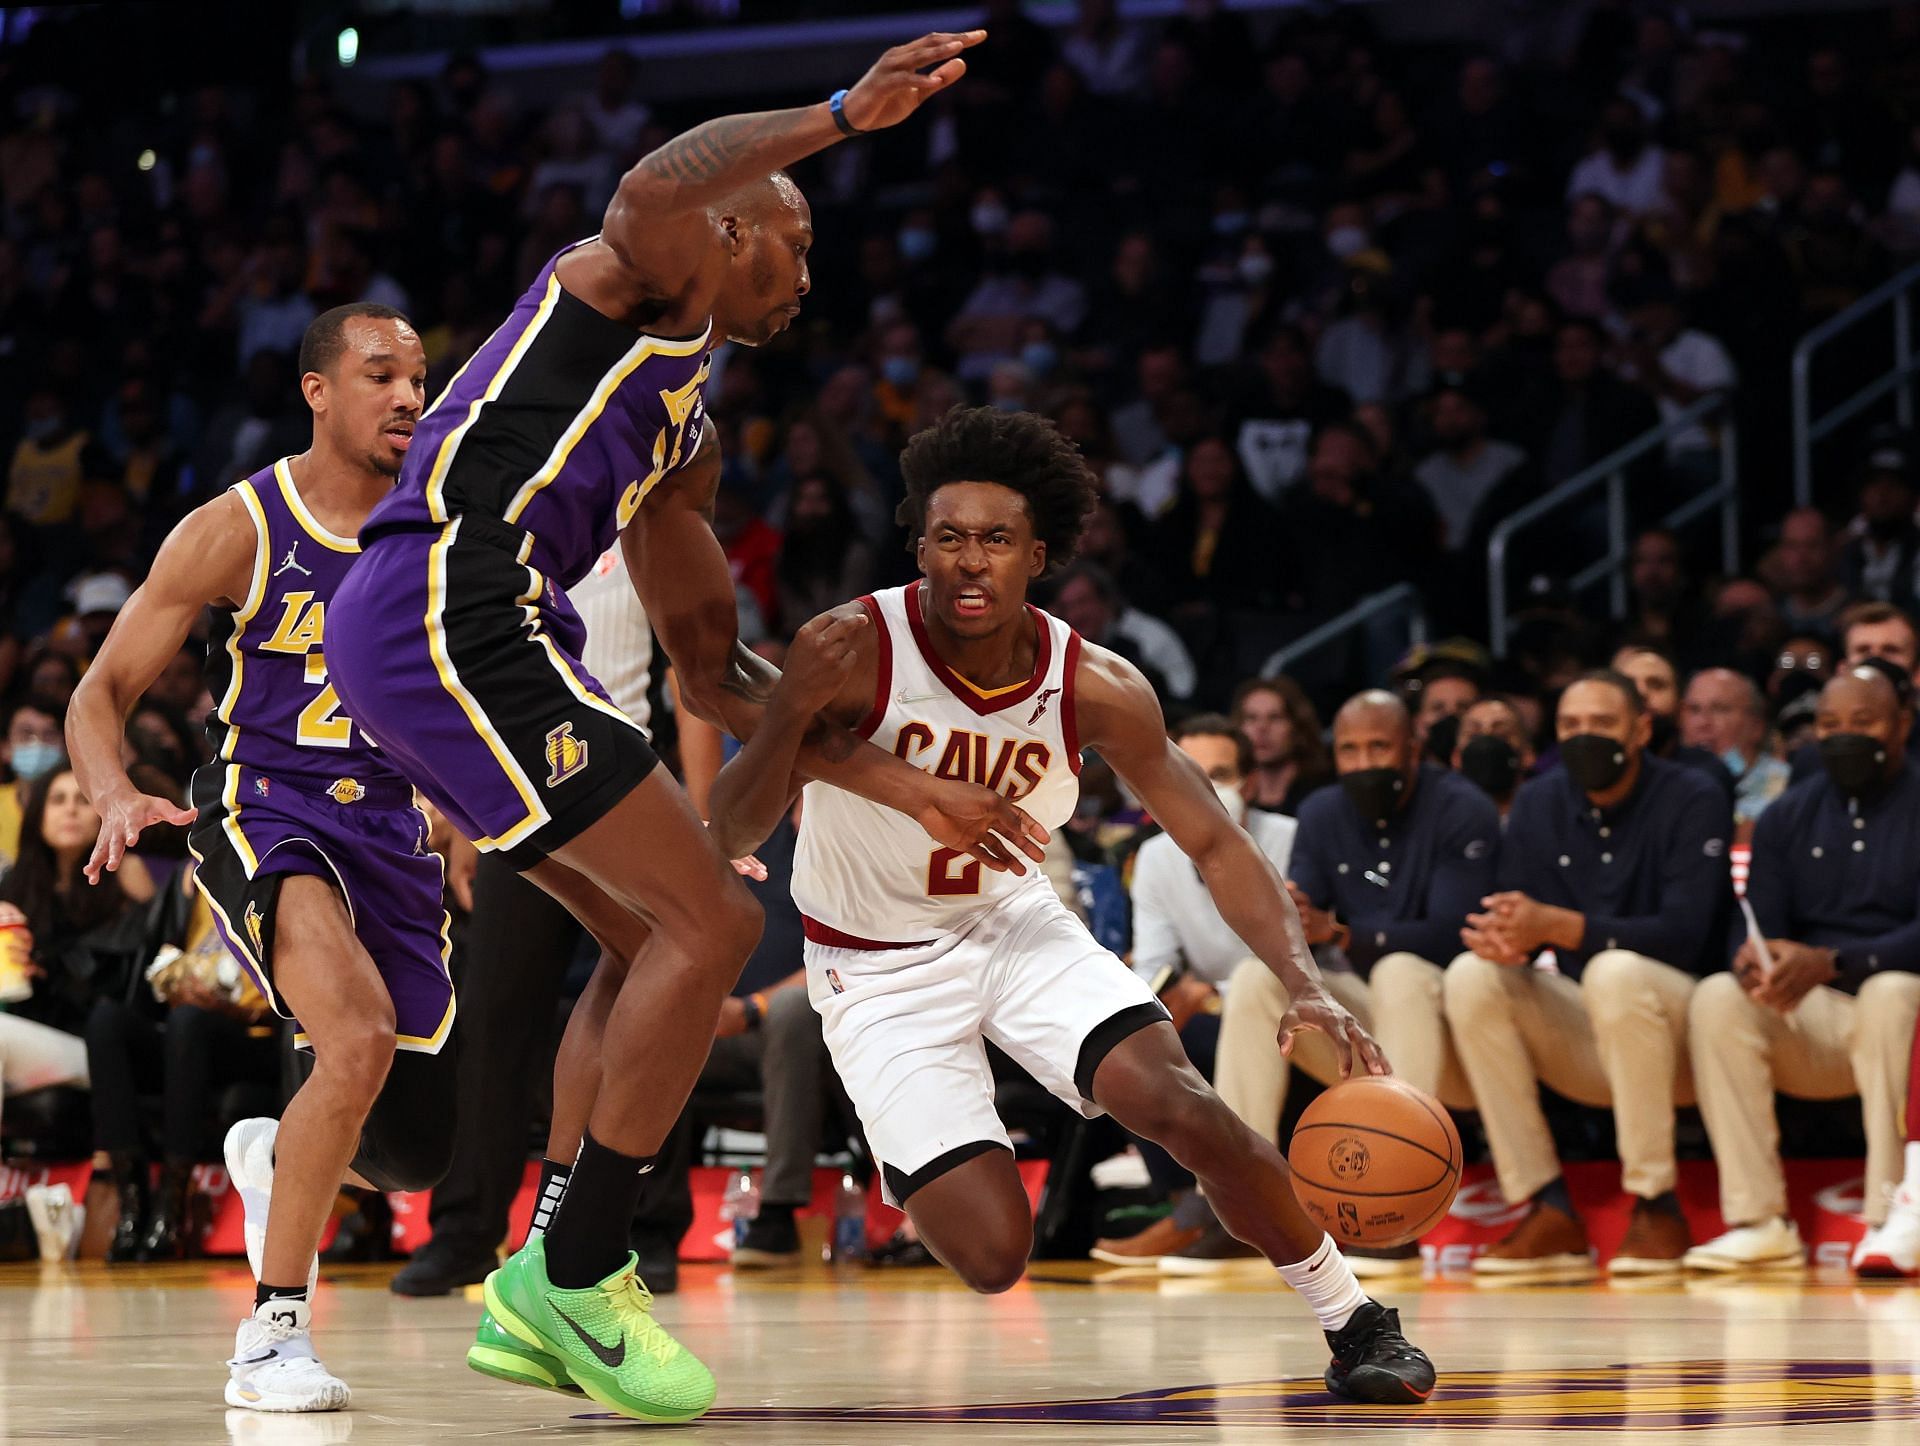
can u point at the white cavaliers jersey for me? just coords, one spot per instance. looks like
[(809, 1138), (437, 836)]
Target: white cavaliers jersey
[(619, 649), (874, 874)]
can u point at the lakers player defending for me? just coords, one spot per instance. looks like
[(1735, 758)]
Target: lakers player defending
[(916, 956), (308, 845)]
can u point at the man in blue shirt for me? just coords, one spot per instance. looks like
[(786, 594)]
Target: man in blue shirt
[(1616, 862), (1827, 1008), (1384, 870)]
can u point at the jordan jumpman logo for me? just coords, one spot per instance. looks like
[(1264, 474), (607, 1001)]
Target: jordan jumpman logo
[(290, 564)]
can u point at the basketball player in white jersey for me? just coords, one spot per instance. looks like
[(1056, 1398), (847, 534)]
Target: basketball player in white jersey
[(915, 955)]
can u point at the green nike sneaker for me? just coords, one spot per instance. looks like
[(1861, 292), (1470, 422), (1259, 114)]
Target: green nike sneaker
[(604, 1337), (505, 1358)]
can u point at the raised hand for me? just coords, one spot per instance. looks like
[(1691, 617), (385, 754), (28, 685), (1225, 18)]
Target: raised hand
[(981, 823), (895, 88), (1319, 1010), (123, 820)]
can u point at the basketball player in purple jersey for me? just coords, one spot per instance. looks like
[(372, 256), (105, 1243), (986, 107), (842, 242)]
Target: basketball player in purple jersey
[(580, 419), (308, 845)]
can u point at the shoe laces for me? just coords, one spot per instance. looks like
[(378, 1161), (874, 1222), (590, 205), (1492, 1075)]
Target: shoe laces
[(1382, 1340), (632, 1302)]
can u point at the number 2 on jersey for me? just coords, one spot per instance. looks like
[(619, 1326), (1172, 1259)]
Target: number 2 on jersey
[(321, 723), (945, 881)]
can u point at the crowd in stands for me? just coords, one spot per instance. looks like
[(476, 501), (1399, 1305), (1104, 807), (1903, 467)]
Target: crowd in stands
[(1320, 310)]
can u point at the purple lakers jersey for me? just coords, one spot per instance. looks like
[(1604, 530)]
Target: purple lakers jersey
[(559, 426), (275, 711)]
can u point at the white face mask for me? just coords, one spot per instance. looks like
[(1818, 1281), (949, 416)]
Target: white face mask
[(1231, 799)]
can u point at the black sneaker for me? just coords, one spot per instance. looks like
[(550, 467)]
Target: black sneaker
[(437, 1269), (1373, 1362), (902, 1253), (772, 1239)]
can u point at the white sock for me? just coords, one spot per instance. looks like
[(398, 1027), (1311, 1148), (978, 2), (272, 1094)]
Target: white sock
[(1325, 1281), (1912, 1181)]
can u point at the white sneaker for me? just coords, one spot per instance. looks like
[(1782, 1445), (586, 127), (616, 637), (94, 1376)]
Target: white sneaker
[(1892, 1251), (1770, 1245), (249, 1156), (273, 1366), (56, 1220)]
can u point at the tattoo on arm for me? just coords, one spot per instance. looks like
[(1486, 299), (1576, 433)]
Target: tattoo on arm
[(732, 150)]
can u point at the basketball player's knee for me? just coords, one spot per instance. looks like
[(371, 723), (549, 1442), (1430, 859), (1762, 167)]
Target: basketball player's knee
[(730, 928), (994, 1262), (357, 1054), (1180, 1112)]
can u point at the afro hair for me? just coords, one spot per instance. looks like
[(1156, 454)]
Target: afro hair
[(1020, 450)]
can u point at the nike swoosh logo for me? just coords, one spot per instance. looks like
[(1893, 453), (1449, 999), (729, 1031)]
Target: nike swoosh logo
[(609, 1356), (904, 698), (257, 1360)]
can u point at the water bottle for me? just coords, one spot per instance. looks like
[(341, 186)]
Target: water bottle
[(849, 1241), (740, 1204)]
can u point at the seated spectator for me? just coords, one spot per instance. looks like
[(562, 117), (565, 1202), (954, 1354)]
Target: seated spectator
[(1274, 409), (1664, 608), (1024, 282), (1623, 169), (1439, 693), (1187, 952), (1588, 412), (824, 559), (1883, 543), (1726, 715), (84, 941), (43, 481), (1577, 282), (204, 1034), (34, 746), (1466, 466), (768, 1039), (1493, 751), (1658, 683), (1674, 363), (1216, 545), (1800, 570), (1091, 602), (1289, 754), (1350, 525), (1385, 868), (1616, 862), (1827, 1008)]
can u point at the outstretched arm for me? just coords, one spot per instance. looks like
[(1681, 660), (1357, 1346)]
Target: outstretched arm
[(680, 571), (208, 558), (1120, 719), (657, 224)]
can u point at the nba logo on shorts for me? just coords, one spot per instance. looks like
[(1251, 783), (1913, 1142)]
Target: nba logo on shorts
[(566, 755), (262, 787), (833, 980)]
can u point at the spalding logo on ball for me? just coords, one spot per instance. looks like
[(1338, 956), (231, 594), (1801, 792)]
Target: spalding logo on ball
[(1375, 1161)]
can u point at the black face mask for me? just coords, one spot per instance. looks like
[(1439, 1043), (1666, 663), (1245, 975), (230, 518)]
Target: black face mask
[(1887, 529), (1855, 762), (1594, 761), (1491, 764), (1375, 791)]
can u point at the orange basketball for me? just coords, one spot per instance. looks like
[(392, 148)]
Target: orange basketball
[(1375, 1161)]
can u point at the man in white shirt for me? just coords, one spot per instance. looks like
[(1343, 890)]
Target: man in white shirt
[(1092, 604), (1186, 951), (1673, 362), (1625, 170)]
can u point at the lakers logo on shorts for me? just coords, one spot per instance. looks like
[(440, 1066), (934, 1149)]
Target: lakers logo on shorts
[(566, 755), (346, 790), (256, 930)]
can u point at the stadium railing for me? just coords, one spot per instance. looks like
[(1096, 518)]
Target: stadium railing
[(1896, 294), (1610, 473), (1402, 597)]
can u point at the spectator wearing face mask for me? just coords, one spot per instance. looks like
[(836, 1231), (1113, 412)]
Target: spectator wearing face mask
[(1725, 714), (1466, 466), (1187, 952), (35, 745), (1658, 682), (1616, 864), (1385, 868), (1493, 752), (1827, 1008)]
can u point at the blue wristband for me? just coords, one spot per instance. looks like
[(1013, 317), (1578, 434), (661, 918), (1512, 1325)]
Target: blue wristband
[(837, 103)]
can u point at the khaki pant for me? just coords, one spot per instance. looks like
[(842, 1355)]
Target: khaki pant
[(1399, 1005), (1617, 1037), (1832, 1046)]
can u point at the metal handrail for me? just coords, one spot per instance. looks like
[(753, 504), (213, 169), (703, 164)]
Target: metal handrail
[(1808, 429), (1610, 472), (1336, 629)]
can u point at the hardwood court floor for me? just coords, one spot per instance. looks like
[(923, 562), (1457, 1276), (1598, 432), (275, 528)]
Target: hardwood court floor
[(909, 1357)]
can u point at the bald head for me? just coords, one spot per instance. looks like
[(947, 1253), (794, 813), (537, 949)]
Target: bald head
[(1373, 730), (1723, 711), (1862, 727), (1864, 691), (761, 201)]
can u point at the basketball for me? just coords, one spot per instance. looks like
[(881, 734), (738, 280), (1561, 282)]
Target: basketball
[(1375, 1161)]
